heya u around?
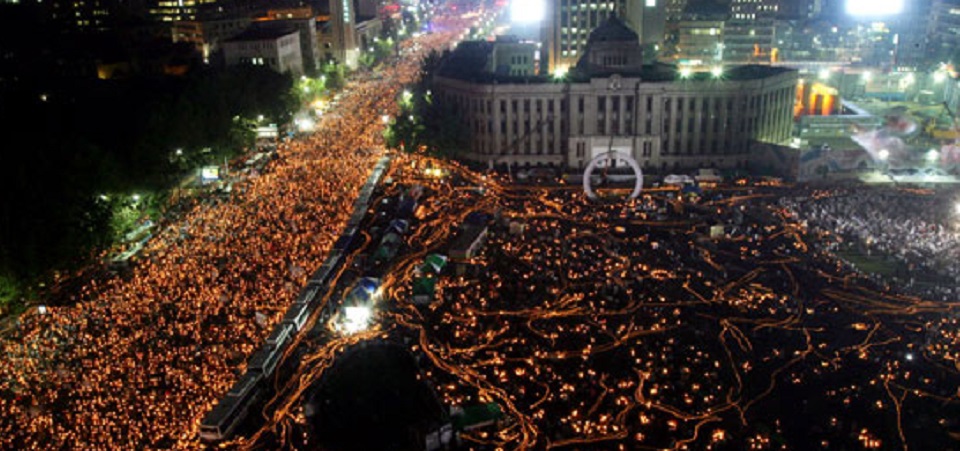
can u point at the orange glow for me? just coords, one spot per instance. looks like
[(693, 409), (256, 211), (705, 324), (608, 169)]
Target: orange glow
[(819, 100)]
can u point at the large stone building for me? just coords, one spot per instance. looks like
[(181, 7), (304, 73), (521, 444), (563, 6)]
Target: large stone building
[(665, 119)]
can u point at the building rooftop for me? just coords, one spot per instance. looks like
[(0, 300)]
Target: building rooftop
[(613, 30), (468, 60), (264, 34)]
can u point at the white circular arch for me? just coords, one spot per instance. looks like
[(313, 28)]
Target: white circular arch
[(611, 155)]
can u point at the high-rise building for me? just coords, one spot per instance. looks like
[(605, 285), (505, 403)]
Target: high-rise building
[(943, 32), (175, 10), (343, 33), (86, 15), (749, 31), (568, 24), (368, 8), (654, 25), (699, 42), (673, 9), (695, 36)]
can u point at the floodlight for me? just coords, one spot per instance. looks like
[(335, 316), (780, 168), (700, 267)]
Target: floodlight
[(560, 72), (356, 319), (874, 7), (305, 125), (527, 11)]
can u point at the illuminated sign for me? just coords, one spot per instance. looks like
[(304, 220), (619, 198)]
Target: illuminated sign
[(210, 173)]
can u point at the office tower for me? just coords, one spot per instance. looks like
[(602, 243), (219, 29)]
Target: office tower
[(749, 32), (568, 24)]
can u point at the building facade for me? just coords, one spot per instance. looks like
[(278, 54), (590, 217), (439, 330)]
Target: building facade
[(206, 34), (339, 35), (699, 42), (274, 48), (509, 56), (568, 24), (175, 10), (664, 121), (943, 32), (750, 30), (306, 26)]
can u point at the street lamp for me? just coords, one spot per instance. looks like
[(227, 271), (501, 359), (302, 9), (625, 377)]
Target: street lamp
[(933, 156), (884, 154), (717, 71), (824, 74)]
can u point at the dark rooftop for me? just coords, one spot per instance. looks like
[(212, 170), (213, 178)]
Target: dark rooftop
[(468, 60), (254, 34), (613, 30)]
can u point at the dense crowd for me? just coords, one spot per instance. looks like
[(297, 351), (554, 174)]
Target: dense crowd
[(915, 230), (625, 325), (136, 361)]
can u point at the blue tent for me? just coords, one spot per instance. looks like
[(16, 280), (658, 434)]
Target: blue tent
[(692, 189), (364, 292)]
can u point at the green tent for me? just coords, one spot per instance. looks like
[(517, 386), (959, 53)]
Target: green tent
[(477, 416), (434, 264), (424, 289)]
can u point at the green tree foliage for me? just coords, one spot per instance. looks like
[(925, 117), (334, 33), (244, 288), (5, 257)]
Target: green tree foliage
[(424, 121), (335, 75), (67, 142)]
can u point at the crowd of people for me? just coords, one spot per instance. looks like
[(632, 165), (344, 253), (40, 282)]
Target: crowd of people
[(915, 231), (135, 362), (625, 324)]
